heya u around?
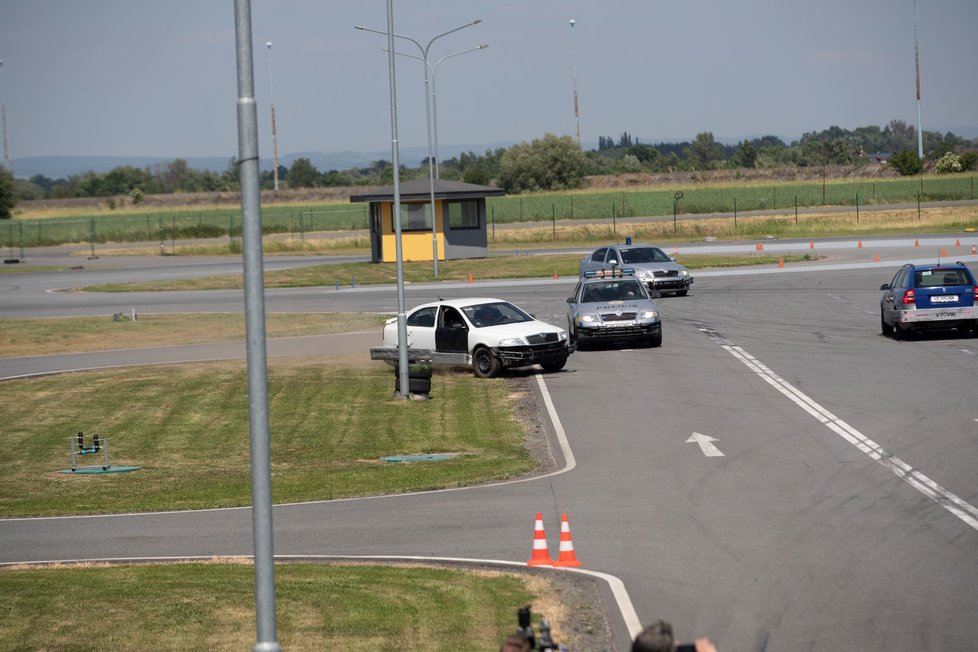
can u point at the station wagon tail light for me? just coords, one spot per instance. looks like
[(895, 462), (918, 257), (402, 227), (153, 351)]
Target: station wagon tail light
[(976, 293), (908, 297)]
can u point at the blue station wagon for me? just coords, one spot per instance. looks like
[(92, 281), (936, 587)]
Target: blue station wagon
[(929, 297)]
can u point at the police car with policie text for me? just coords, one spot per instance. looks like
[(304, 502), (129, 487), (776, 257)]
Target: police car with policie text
[(612, 305)]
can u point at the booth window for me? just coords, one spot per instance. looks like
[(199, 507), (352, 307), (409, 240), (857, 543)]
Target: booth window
[(463, 214), (415, 217)]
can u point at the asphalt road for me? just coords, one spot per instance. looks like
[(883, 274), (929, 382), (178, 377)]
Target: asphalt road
[(834, 507)]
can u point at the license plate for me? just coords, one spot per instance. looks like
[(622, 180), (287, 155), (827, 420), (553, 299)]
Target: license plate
[(944, 298)]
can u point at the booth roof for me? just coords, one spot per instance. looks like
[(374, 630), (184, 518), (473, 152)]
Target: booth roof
[(419, 190)]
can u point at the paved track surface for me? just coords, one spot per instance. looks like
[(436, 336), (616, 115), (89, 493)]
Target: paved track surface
[(833, 509)]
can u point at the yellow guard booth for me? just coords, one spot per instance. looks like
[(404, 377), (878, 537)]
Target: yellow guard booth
[(459, 220)]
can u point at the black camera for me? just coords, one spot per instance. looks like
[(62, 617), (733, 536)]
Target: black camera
[(541, 641)]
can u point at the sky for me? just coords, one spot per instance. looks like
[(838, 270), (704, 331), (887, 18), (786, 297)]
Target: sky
[(158, 78)]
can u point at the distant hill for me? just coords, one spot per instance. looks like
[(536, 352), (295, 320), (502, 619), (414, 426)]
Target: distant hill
[(62, 167)]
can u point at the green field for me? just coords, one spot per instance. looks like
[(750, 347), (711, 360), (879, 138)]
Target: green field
[(169, 225)]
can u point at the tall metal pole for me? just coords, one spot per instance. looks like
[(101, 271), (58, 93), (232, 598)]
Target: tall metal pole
[(434, 95), (271, 101), (251, 235), (3, 119), (916, 59), (577, 115), (427, 115), (403, 375)]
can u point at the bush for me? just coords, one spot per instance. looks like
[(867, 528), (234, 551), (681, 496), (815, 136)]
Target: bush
[(906, 163), (7, 198), (948, 163), (969, 161)]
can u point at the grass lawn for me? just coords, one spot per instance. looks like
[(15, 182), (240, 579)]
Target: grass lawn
[(23, 337), (496, 267), (186, 426), (210, 606)]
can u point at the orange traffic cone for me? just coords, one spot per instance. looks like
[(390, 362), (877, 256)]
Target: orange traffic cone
[(470, 278), (943, 252), (780, 263), (759, 247), (566, 556), (957, 243), (675, 251), (877, 258), (541, 556), (916, 244), (811, 245), (859, 245), (974, 250), (555, 275)]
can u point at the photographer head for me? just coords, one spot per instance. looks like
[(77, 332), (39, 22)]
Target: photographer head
[(658, 637), (515, 643)]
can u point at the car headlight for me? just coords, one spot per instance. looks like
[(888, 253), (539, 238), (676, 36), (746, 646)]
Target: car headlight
[(562, 336), (588, 319), (648, 314), (644, 273), (685, 272), (513, 341)]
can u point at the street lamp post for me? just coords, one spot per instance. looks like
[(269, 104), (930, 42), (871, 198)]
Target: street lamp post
[(3, 119), (434, 95), (271, 101), (577, 117), (427, 114), (916, 58)]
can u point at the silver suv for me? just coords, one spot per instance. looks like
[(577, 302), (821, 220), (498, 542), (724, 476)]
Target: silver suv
[(660, 272)]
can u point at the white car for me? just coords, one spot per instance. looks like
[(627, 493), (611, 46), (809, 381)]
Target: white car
[(491, 333)]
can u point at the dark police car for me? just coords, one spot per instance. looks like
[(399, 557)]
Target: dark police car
[(612, 305), (929, 297)]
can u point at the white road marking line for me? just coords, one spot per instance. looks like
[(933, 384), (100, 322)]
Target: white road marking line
[(949, 501)]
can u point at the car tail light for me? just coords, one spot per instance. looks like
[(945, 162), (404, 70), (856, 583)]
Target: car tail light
[(908, 297), (976, 293)]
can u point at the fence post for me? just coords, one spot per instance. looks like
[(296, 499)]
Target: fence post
[(492, 217), (91, 237), (572, 207), (162, 238), (553, 218), (775, 207), (857, 208), (918, 205), (796, 210), (614, 224), (21, 228)]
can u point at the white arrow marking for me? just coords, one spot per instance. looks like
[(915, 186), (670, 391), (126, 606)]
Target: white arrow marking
[(706, 444)]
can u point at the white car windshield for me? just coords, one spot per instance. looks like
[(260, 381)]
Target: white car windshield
[(639, 255), (494, 314)]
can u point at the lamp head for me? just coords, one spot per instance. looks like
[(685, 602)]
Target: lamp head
[(572, 22)]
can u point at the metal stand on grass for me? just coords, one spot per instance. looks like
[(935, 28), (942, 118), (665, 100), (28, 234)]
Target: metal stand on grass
[(77, 447)]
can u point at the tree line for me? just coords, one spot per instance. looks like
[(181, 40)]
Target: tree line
[(547, 163)]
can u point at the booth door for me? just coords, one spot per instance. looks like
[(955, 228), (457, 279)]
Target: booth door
[(376, 237)]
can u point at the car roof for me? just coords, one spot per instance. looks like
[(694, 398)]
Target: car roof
[(460, 303), (927, 266)]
